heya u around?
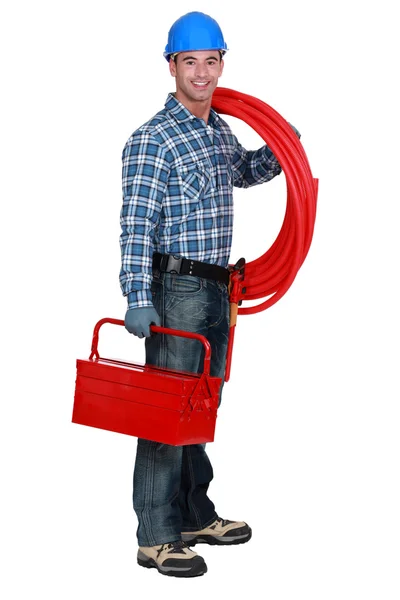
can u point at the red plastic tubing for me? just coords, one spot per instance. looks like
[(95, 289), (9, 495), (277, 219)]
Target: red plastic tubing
[(271, 275)]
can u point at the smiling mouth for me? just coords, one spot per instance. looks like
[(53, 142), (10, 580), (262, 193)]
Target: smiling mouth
[(200, 85)]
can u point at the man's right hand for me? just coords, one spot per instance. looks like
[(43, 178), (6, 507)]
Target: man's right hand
[(138, 320)]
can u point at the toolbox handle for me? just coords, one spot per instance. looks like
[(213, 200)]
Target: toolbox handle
[(156, 329)]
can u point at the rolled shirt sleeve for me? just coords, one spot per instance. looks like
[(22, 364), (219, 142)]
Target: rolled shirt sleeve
[(253, 167)]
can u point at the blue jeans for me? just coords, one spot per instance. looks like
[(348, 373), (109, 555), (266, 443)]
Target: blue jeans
[(170, 482)]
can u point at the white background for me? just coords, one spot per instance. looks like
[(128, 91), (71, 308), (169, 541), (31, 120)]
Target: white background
[(307, 441)]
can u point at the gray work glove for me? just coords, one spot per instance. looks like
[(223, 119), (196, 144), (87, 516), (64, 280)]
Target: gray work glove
[(138, 320), (297, 132)]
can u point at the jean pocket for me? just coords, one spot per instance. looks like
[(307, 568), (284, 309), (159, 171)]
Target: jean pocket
[(182, 285)]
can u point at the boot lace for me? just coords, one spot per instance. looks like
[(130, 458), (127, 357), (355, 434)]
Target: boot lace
[(177, 547), (222, 522)]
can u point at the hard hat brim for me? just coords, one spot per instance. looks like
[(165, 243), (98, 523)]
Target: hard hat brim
[(168, 55)]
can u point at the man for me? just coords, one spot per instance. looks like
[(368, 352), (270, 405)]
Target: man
[(179, 169)]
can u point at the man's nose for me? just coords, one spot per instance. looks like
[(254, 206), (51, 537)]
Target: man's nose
[(201, 70)]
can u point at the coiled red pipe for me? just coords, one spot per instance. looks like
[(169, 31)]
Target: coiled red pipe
[(273, 273)]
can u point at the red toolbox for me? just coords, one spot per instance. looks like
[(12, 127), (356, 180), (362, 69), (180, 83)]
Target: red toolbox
[(171, 407)]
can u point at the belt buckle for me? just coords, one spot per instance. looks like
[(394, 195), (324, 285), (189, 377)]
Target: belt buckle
[(174, 264)]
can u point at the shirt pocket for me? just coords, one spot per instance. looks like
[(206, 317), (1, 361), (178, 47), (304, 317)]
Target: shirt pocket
[(194, 180)]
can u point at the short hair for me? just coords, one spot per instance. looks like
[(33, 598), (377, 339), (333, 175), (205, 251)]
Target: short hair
[(173, 56)]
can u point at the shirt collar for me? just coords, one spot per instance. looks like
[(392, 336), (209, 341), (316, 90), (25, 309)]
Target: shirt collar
[(182, 114)]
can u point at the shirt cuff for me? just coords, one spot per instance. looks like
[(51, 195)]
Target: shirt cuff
[(139, 299), (273, 165)]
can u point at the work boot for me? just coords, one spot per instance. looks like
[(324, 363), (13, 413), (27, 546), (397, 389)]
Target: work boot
[(174, 559), (220, 533)]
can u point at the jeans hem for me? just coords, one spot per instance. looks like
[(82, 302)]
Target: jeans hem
[(160, 541), (210, 522)]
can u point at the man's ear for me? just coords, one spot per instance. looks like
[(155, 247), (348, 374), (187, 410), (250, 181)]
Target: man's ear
[(221, 67), (172, 67)]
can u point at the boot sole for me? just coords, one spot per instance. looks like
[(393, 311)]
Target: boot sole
[(212, 540), (194, 571)]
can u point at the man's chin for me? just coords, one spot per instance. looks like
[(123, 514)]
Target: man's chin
[(203, 95)]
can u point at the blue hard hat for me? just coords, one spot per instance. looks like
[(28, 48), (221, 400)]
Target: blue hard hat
[(194, 31)]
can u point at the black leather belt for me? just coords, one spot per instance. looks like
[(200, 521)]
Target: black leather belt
[(169, 263)]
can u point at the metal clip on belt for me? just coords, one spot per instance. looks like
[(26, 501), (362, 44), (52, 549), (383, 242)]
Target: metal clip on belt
[(169, 263)]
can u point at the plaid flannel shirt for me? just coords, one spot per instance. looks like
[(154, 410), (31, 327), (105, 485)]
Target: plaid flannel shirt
[(178, 175)]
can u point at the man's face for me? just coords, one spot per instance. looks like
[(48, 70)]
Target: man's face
[(196, 74)]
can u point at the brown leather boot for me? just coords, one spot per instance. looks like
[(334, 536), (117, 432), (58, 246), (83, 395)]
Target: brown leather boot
[(174, 559), (220, 533)]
